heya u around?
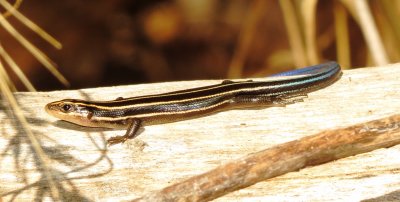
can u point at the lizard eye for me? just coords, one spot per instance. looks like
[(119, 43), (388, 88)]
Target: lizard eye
[(66, 108)]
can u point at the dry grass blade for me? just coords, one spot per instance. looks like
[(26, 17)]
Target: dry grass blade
[(294, 33), (388, 29), (361, 12), (11, 63), (342, 36), (13, 11), (249, 27), (39, 55), (308, 12), (34, 142), (393, 18), (373, 39)]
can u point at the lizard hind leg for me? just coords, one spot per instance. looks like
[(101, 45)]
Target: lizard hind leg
[(290, 99), (265, 100)]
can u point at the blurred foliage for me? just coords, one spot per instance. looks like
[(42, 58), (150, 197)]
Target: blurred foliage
[(125, 42)]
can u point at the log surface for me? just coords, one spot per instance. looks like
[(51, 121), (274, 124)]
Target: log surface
[(166, 154)]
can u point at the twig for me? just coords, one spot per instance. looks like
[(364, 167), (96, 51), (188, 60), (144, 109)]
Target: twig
[(291, 156)]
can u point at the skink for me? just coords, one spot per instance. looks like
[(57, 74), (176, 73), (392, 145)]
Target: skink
[(135, 112)]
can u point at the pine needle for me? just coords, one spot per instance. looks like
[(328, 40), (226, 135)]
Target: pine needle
[(16, 5), (11, 63), (6, 79), (34, 142), (39, 55), (6, 85), (13, 11)]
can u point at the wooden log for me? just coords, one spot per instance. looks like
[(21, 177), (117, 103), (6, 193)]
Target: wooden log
[(312, 150), (165, 154)]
